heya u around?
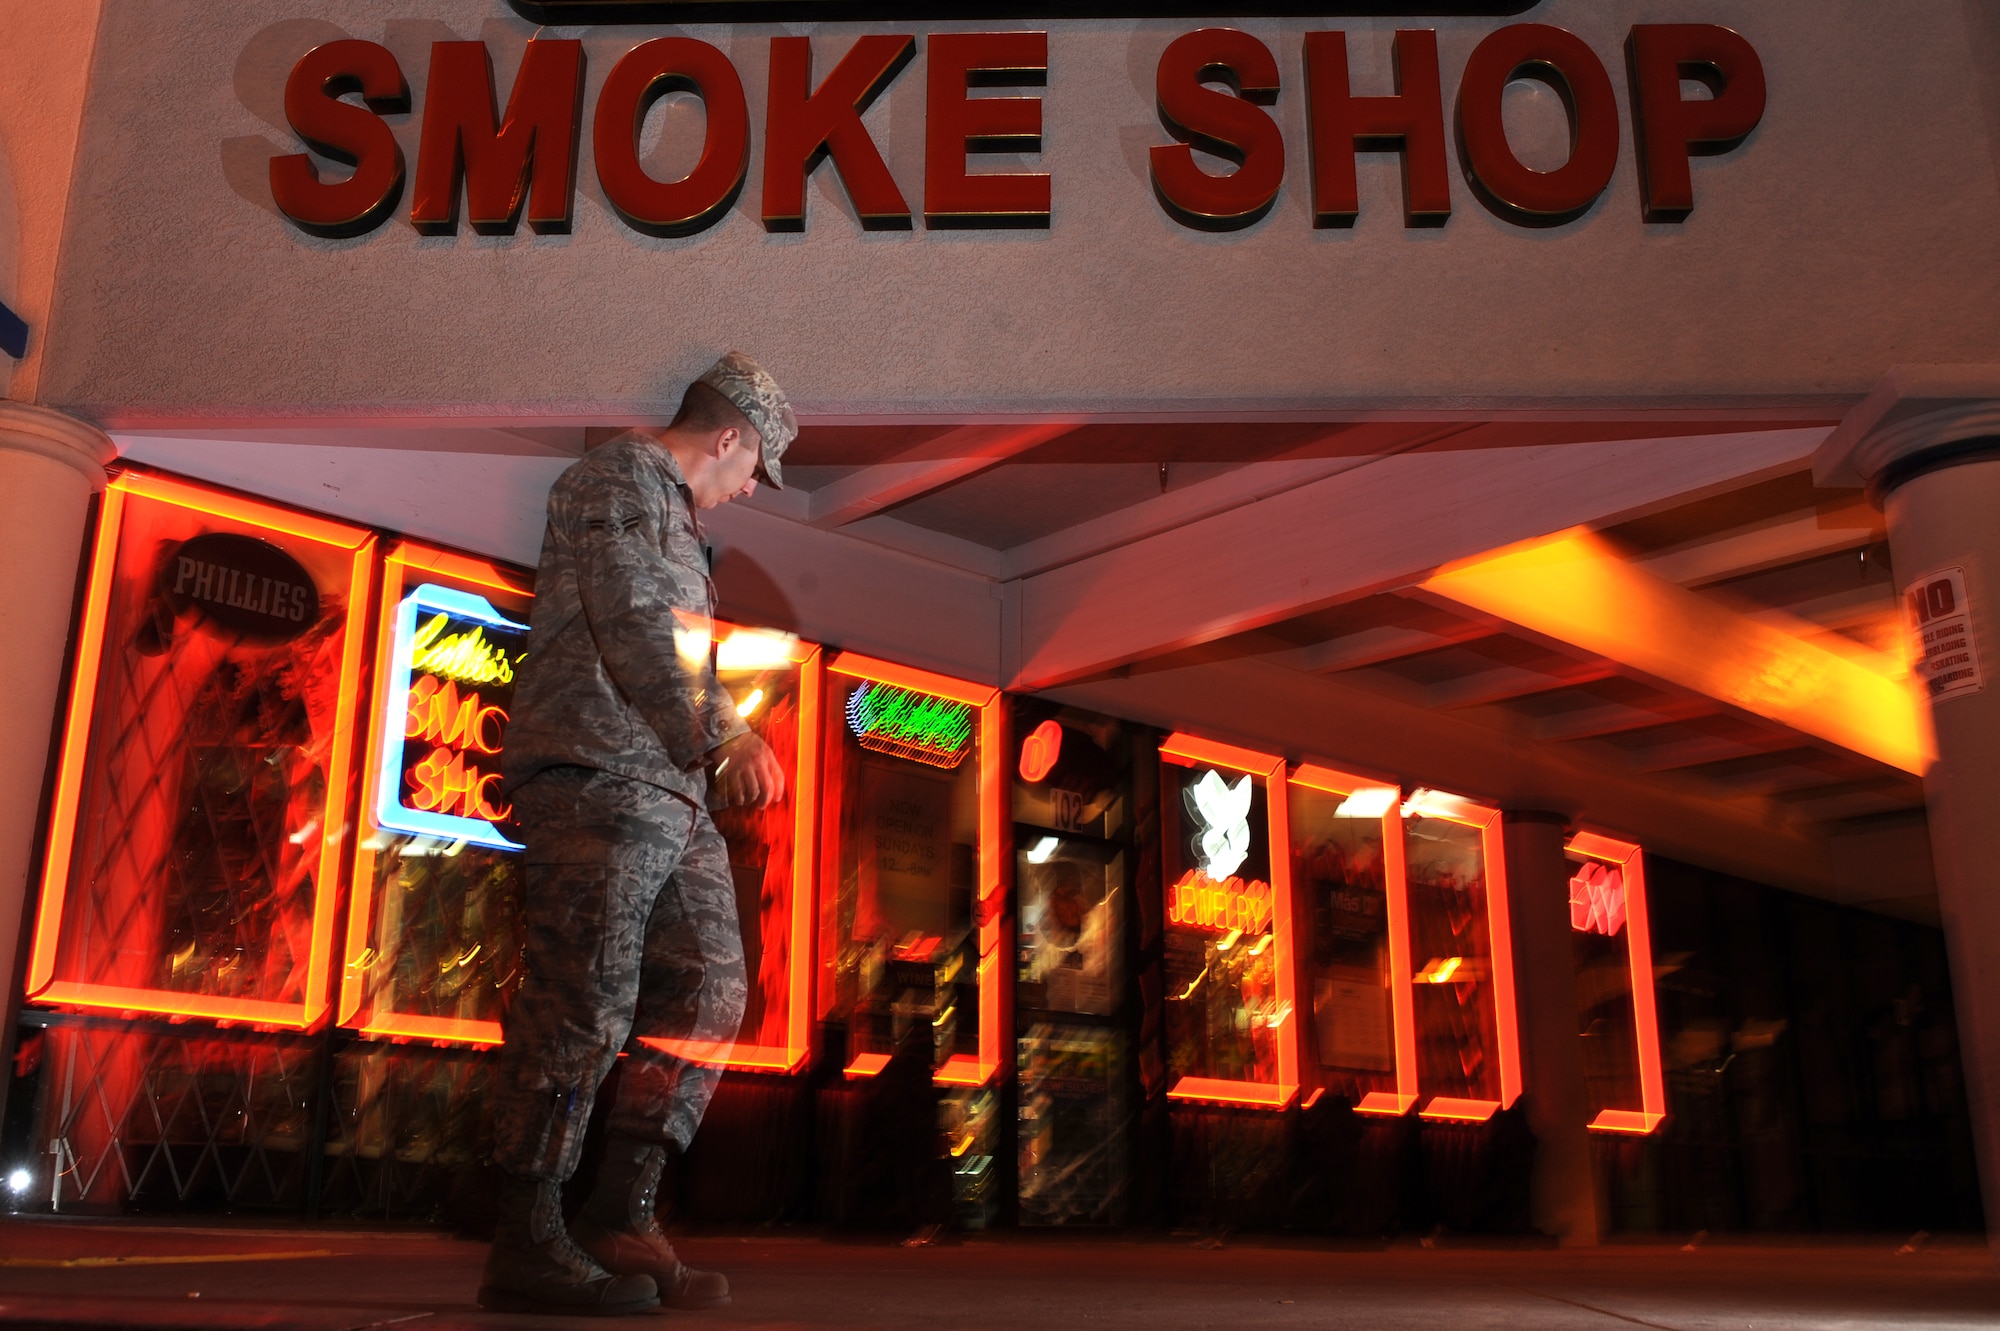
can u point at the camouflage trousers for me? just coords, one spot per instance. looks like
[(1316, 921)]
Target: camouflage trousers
[(631, 935)]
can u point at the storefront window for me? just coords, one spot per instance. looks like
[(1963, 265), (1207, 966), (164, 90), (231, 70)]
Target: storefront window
[(1468, 1062), (196, 832), (1231, 1034), (775, 680), (913, 892), (1616, 1017), (1347, 862), (433, 945)]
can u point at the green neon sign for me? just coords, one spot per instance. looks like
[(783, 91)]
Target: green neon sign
[(908, 724)]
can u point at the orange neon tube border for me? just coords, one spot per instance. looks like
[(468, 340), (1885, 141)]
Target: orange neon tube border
[(357, 954), (405, 559), (1645, 1007), (988, 974), (857, 666), (1500, 941), (250, 513), (805, 867), (76, 738), (1187, 751), (1395, 879)]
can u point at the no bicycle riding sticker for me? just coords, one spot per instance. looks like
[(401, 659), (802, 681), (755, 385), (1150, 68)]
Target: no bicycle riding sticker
[(1947, 659)]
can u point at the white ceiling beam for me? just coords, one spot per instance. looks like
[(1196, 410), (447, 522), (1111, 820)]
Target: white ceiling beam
[(929, 466), (1245, 485), (1377, 526), (1507, 683), (1621, 719), (1380, 645), (1678, 754), (1767, 545), (848, 593)]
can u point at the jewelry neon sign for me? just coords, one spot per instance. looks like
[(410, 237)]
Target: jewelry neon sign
[(1200, 902), (432, 784), (907, 724)]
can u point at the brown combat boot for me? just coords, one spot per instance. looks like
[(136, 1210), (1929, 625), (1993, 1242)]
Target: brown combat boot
[(619, 1228), (536, 1268)]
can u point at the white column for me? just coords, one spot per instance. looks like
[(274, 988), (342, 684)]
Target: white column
[(1926, 443), (1563, 1191), (50, 465)]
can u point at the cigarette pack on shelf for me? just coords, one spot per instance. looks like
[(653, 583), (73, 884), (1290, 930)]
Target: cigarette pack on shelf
[(433, 923), (913, 889), (1354, 903), (1612, 937), (1232, 1036), (1468, 1053), (775, 680), (201, 802)]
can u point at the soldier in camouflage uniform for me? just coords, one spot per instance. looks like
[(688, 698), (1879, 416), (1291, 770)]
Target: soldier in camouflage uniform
[(618, 720)]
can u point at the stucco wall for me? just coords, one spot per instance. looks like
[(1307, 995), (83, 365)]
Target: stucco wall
[(45, 51), (1857, 228)]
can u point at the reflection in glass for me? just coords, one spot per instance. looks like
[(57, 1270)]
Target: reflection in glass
[(1451, 945), (1339, 864)]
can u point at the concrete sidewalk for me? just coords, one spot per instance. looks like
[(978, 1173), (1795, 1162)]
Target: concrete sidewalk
[(86, 1274)]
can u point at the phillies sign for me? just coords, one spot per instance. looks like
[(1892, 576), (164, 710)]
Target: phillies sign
[(501, 162)]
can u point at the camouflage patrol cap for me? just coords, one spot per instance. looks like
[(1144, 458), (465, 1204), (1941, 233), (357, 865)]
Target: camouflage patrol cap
[(757, 395)]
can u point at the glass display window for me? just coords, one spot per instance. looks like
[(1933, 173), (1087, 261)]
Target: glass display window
[(1230, 985), (1468, 1050), (1071, 1144), (1073, 803), (913, 889), (1616, 1013), (433, 945), (1353, 898), (1071, 934), (201, 803), (776, 680)]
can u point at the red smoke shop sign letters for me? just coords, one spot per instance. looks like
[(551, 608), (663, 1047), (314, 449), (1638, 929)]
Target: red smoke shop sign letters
[(503, 157)]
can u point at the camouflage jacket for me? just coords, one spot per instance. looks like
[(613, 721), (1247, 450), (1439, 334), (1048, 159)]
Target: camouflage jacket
[(617, 675)]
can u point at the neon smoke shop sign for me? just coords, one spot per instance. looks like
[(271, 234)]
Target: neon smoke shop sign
[(444, 726)]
